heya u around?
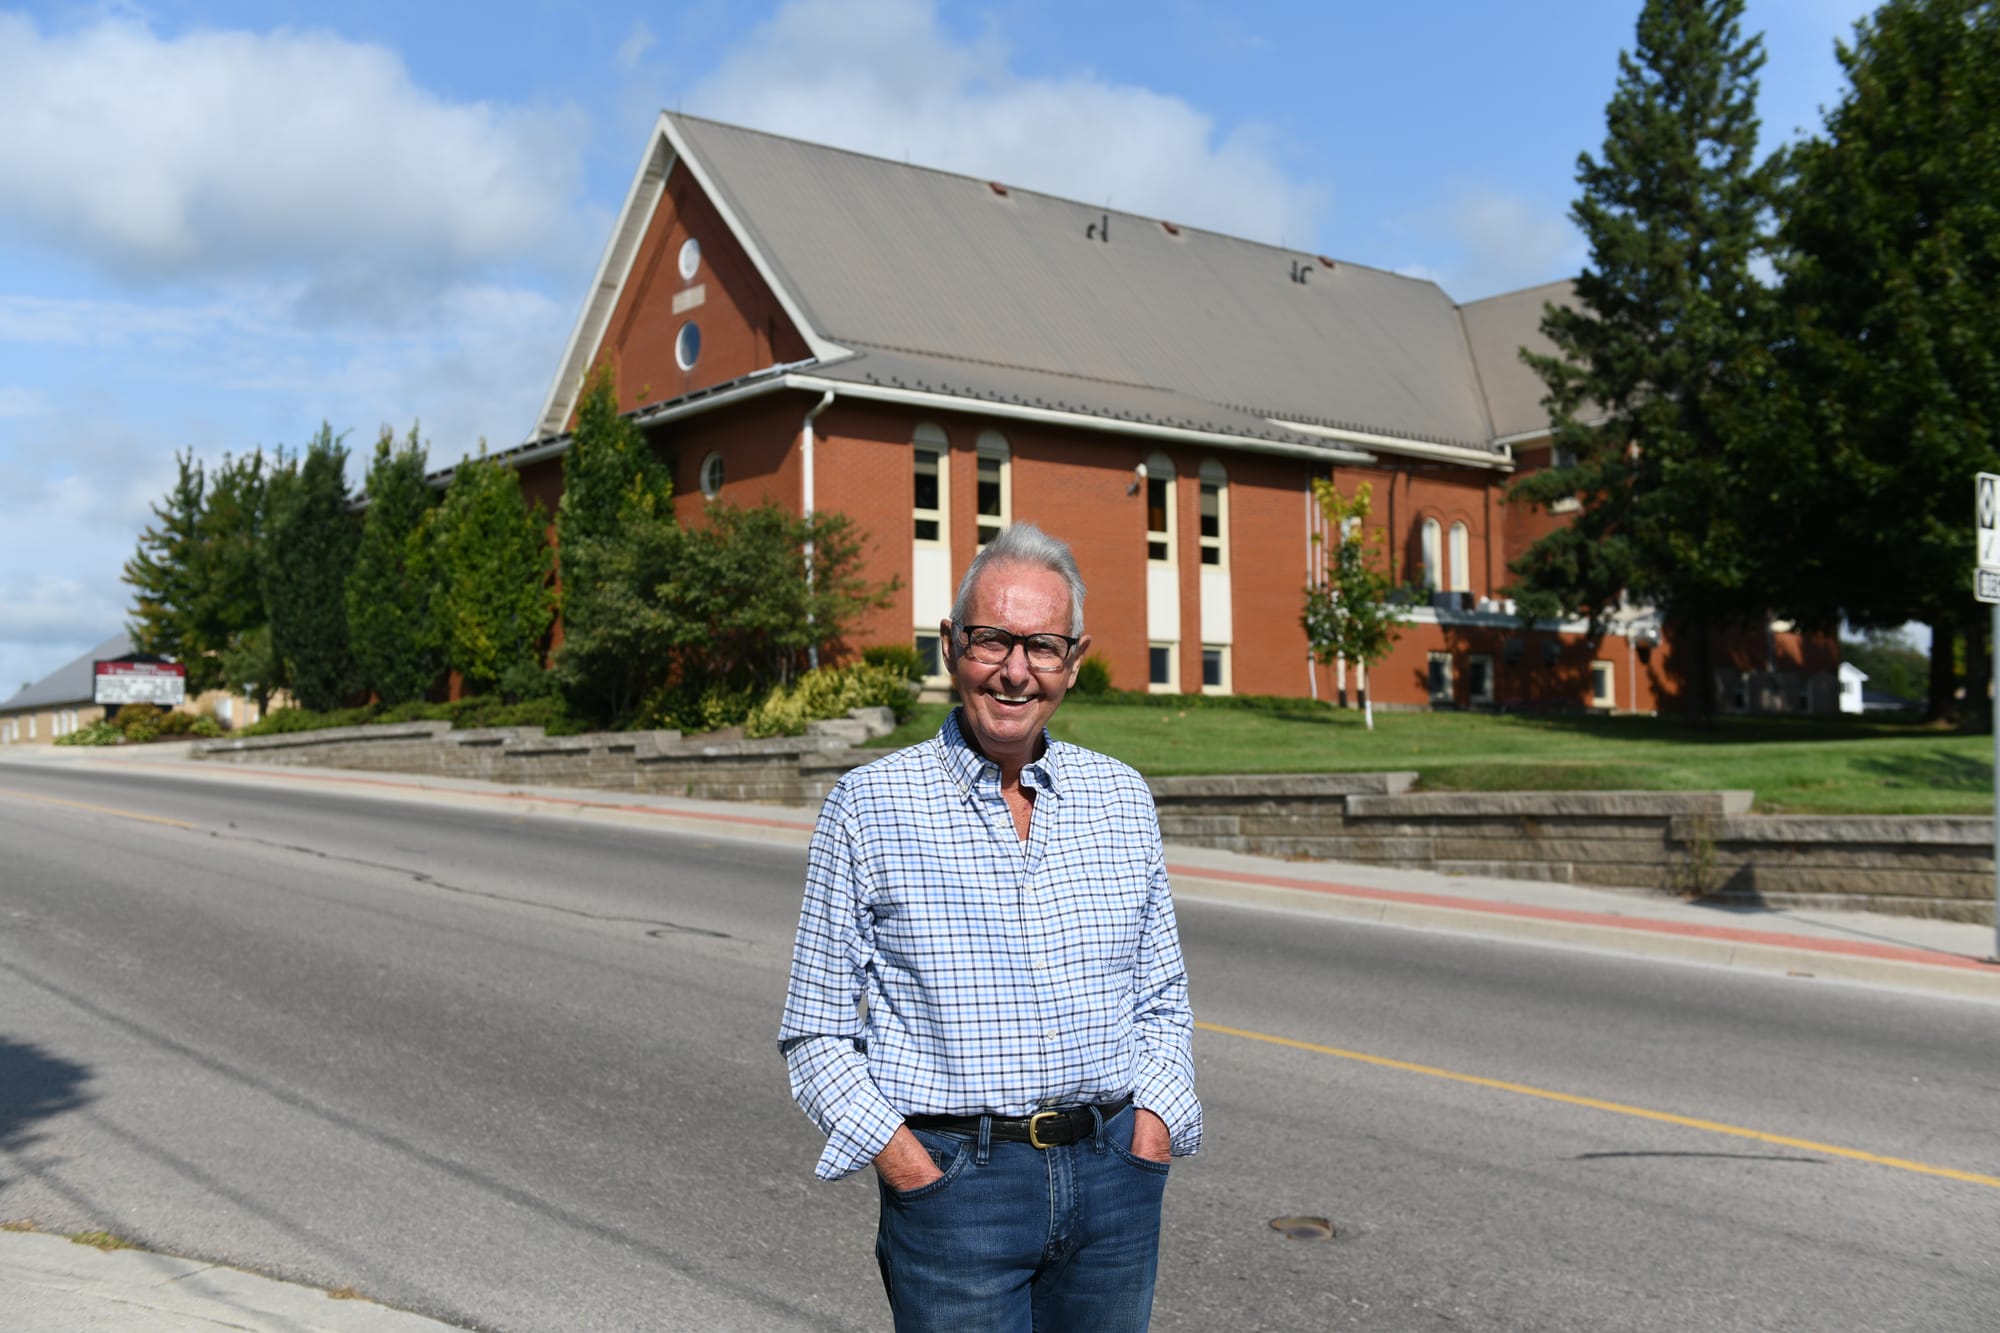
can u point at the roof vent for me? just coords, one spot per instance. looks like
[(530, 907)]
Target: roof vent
[(1170, 229), (1324, 262), (997, 188)]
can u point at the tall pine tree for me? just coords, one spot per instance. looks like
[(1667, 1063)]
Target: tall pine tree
[(397, 648), (167, 572), (309, 543), (1665, 332), (1891, 259)]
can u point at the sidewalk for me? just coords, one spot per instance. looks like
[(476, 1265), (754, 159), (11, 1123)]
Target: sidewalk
[(49, 1285)]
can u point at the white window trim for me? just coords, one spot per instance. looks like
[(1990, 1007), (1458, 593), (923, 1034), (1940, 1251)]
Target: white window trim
[(1487, 695), (1160, 468), (1172, 684), (940, 676), (1609, 698), (1228, 684), (1432, 554), (1450, 692), (1213, 474), (932, 439), (701, 476), (993, 446), (1460, 568)]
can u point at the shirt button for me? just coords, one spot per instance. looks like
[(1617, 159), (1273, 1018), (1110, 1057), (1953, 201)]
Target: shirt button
[(1041, 964), (1048, 1036)]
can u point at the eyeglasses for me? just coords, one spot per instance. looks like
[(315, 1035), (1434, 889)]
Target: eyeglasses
[(991, 645)]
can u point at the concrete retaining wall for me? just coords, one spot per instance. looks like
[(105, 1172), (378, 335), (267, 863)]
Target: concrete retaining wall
[(782, 770), (1704, 843)]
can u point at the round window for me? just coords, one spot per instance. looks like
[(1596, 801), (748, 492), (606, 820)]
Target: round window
[(687, 346), (711, 476), (690, 257)]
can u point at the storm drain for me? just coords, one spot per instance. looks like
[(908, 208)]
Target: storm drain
[(1303, 1228)]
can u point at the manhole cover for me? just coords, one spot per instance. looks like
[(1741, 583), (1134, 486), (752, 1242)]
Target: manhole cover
[(1303, 1228)]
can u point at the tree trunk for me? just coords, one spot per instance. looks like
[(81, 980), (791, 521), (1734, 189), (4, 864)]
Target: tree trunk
[(1701, 686), (1978, 710), (1941, 706)]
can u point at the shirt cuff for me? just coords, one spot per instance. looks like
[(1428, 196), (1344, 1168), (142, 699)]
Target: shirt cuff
[(1171, 1097), (861, 1133)]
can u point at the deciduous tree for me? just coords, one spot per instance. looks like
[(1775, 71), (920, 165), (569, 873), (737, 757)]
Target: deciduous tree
[(1347, 615), (1891, 263), (494, 602)]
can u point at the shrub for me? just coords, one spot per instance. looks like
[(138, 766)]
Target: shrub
[(1093, 676), (898, 657), (828, 693), (97, 733)]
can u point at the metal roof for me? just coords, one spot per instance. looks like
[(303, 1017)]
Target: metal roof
[(996, 280), (1497, 328), (897, 274), (73, 682)]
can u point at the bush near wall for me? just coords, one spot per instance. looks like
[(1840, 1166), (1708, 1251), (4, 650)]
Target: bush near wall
[(828, 693)]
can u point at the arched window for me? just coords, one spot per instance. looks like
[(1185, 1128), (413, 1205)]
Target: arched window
[(1461, 559), (1433, 555), (1214, 513), (928, 451), (1160, 509), (996, 500)]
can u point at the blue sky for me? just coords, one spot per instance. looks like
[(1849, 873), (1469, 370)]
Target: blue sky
[(222, 223)]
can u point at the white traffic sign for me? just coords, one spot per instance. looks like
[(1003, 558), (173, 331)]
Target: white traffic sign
[(1986, 509), (1986, 585)]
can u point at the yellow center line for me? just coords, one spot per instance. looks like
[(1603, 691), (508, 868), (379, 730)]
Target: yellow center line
[(1617, 1108), (98, 809)]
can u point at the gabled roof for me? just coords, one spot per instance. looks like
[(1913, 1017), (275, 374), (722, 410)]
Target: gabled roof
[(895, 272), (1497, 328), (71, 683)]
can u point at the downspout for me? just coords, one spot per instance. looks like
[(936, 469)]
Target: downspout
[(806, 457)]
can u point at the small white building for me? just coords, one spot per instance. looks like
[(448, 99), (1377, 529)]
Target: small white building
[(1852, 678)]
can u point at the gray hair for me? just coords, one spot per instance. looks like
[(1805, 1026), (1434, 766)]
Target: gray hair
[(1024, 544)]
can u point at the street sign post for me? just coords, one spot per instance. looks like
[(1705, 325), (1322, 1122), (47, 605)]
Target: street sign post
[(1986, 587)]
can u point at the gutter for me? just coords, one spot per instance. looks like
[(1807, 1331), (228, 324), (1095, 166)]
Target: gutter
[(1451, 453), (806, 505)]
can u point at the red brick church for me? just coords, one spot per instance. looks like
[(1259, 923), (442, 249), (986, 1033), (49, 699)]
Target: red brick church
[(937, 355)]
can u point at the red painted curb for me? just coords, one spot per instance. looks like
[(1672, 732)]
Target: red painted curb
[(1850, 948)]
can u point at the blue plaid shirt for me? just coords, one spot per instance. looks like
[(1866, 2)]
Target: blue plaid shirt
[(999, 976)]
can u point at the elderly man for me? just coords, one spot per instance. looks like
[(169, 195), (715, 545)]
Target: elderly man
[(987, 998)]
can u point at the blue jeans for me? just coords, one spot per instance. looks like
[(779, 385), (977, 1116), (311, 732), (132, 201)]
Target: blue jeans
[(1018, 1239)]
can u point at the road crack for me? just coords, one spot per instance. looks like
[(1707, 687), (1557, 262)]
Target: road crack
[(655, 929)]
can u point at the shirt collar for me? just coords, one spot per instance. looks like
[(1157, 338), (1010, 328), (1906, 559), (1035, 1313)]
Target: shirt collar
[(967, 767)]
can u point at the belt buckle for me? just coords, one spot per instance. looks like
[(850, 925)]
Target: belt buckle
[(1035, 1128)]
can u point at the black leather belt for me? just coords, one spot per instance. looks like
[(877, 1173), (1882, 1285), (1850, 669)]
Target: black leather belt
[(1044, 1129)]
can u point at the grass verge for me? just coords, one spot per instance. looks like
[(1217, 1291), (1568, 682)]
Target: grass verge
[(1793, 765)]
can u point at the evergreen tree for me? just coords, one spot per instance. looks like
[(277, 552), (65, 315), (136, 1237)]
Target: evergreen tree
[(195, 572), (1347, 613), (616, 541), (309, 543), (1663, 342), (167, 575), (494, 604), (390, 596), (1891, 260), (232, 526)]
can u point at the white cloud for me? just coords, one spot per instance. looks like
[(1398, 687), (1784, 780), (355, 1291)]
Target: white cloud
[(634, 47), (884, 77), (1485, 241), (214, 153)]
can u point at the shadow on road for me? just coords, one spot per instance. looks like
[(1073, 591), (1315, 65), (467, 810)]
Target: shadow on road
[(35, 1085)]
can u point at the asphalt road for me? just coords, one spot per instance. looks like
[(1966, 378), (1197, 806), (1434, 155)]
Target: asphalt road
[(519, 1073)]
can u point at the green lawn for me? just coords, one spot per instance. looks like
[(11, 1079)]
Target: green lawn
[(1797, 766)]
